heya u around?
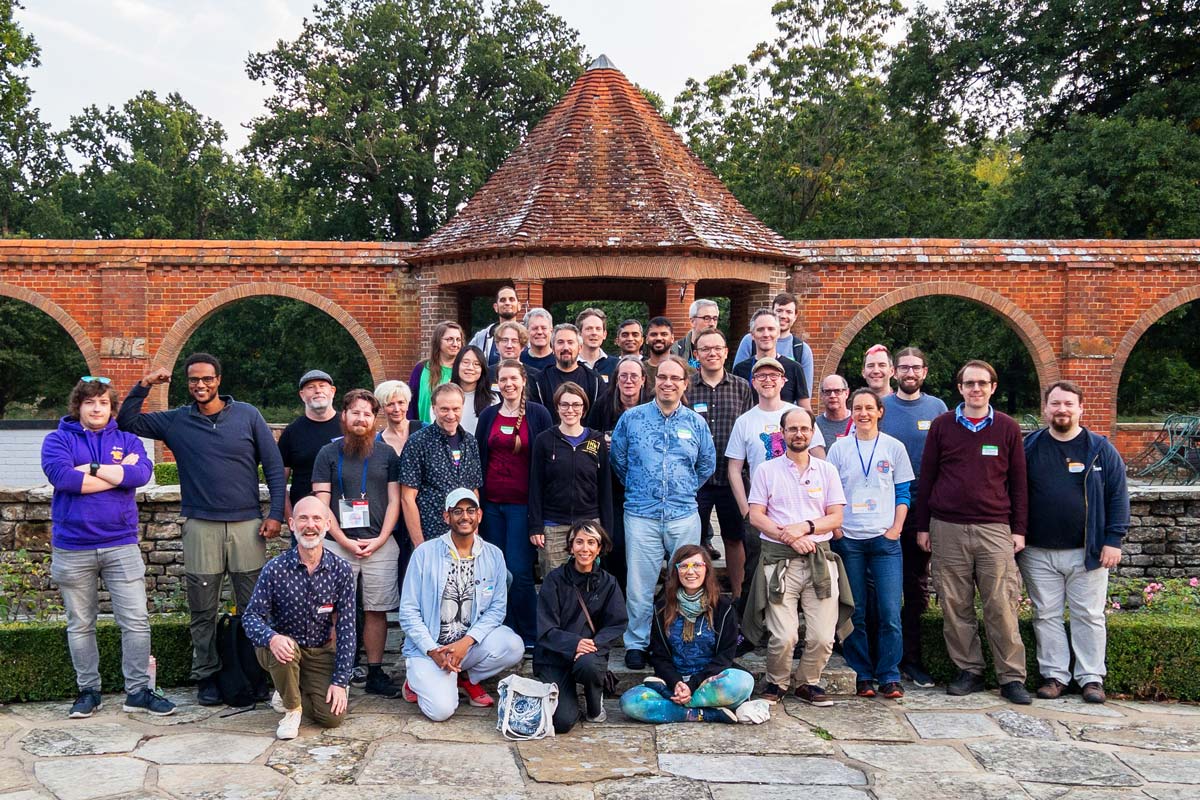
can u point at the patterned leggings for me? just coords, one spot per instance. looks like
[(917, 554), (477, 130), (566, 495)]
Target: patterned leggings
[(728, 689)]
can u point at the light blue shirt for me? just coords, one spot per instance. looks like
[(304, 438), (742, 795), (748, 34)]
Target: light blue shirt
[(662, 460), (961, 418)]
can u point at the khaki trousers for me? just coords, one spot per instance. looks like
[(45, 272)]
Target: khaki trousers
[(304, 681), (783, 623), (970, 556)]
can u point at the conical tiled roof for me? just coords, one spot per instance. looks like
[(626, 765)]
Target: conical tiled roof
[(603, 171)]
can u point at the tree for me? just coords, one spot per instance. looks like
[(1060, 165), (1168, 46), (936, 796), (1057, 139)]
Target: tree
[(388, 114), (39, 362), (1160, 376)]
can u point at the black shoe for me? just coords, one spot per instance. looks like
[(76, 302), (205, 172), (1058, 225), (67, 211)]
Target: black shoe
[(359, 676), (917, 674), (713, 552), (773, 693), (635, 659), (865, 688), (1014, 692), (892, 690), (813, 695), (379, 683), (150, 701), (208, 693), (86, 704), (966, 683)]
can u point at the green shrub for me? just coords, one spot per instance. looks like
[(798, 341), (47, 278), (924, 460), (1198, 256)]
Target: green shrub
[(35, 663), (167, 474), (1153, 656)]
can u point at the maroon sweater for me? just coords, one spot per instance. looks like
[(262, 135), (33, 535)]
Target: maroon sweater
[(960, 484)]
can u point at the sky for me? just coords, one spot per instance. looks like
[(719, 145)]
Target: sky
[(103, 52)]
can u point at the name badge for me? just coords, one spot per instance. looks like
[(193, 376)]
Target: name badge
[(456, 455), (684, 433), (990, 450), (604, 377), (325, 608), (923, 424), (700, 408), (354, 514), (507, 430), (815, 491), (1074, 466), (495, 388)]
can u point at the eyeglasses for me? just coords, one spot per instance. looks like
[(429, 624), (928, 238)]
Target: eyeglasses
[(628, 377), (716, 348), (207, 380), (768, 377), (793, 430), (459, 513), (711, 319), (975, 384), (571, 406), (669, 378), (909, 367), (834, 391), (96, 379), (690, 566), (509, 340)]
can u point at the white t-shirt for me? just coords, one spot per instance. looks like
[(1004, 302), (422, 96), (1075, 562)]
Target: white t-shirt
[(757, 437), (869, 473)]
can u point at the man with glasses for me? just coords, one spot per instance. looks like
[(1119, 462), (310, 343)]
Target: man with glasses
[(704, 314), (452, 611), (219, 444), (764, 327), (720, 397), (908, 415), (971, 514), (663, 453), (834, 420)]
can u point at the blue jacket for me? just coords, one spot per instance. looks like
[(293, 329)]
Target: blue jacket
[(218, 460), (1106, 497), (662, 460), (421, 598), (535, 413), (100, 519)]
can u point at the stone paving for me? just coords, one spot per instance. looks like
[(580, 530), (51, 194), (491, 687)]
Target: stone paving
[(929, 746)]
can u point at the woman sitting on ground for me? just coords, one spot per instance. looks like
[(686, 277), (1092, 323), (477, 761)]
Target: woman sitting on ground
[(573, 643), (692, 644)]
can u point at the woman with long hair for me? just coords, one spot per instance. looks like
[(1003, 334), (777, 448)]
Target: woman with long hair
[(693, 640), (581, 616), (506, 433), (468, 372), (444, 344)]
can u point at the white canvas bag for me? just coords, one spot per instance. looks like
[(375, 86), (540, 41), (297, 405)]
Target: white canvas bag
[(526, 708)]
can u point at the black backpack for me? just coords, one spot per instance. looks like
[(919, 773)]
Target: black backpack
[(241, 680)]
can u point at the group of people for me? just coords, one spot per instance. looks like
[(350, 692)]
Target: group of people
[(529, 451)]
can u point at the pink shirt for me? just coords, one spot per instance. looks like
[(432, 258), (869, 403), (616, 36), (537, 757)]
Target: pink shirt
[(792, 496)]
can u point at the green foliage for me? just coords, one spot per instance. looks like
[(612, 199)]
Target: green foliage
[(265, 344), (35, 663), (951, 331), (1160, 376), (166, 473), (1168, 596), (39, 362), (1153, 656), (24, 581), (386, 115)]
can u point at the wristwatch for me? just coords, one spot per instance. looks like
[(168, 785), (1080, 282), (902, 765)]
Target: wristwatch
[(812, 527), (93, 468)]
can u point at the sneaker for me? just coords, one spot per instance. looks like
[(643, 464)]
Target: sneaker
[(277, 703), (813, 695), (635, 659), (359, 676), (476, 694), (773, 693), (601, 717), (149, 700), (917, 674), (720, 715), (1051, 689), (289, 726), (1094, 692), (382, 685), (864, 689), (966, 683), (1014, 692), (892, 690), (408, 694), (86, 704), (207, 692)]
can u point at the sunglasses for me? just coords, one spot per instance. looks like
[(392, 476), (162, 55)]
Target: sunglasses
[(95, 379)]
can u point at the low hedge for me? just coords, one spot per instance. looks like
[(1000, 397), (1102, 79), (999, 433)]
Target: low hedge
[(166, 473), (1152, 656), (35, 663)]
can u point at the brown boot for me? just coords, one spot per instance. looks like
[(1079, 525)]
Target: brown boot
[(1094, 693), (1051, 689)]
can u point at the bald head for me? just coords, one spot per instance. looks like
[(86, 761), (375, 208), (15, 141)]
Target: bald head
[(309, 522)]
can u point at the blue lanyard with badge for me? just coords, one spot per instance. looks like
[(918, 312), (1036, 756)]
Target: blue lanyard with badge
[(353, 513), (866, 502)]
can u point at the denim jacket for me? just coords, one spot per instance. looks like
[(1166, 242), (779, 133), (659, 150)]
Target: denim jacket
[(662, 460), (425, 581)]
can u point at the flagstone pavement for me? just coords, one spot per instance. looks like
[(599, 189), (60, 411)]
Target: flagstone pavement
[(928, 746)]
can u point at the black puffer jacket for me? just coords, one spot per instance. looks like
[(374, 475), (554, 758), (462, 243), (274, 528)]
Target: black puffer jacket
[(561, 623)]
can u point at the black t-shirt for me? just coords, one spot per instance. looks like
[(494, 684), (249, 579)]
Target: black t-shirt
[(380, 467), (1056, 500), (795, 390), (299, 444)]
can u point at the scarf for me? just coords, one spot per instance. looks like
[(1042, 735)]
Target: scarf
[(691, 606)]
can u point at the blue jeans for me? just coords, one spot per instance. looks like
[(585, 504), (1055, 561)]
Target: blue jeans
[(647, 543), (879, 559), (506, 526)]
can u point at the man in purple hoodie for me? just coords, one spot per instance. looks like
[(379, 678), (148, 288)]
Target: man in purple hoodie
[(95, 470)]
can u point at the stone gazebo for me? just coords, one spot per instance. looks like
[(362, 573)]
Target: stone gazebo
[(603, 200)]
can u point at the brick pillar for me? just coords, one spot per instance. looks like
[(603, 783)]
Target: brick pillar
[(438, 303), (680, 295), (123, 324), (530, 292), (1086, 358)]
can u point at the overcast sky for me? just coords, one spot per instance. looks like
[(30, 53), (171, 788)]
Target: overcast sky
[(102, 52)]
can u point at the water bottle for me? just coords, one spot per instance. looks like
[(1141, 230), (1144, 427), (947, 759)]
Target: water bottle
[(152, 668)]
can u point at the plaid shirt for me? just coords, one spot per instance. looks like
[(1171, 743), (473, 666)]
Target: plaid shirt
[(720, 406)]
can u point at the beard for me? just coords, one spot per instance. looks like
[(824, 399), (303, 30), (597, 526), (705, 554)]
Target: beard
[(1058, 425), (319, 406), (910, 385), (308, 544), (355, 444)]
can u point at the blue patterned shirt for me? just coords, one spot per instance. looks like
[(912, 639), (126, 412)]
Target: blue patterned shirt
[(662, 460), (289, 600)]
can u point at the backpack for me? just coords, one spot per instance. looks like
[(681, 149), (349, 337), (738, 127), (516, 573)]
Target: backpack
[(241, 679), (526, 708)]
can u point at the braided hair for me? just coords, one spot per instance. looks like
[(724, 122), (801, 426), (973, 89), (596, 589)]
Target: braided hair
[(512, 363)]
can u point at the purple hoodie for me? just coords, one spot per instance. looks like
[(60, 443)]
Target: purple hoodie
[(100, 519)]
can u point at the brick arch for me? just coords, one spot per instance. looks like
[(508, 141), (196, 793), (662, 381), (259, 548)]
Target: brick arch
[(172, 344), (1132, 336), (1023, 325), (47, 306)]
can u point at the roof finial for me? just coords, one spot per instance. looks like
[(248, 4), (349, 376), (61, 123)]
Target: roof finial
[(601, 62)]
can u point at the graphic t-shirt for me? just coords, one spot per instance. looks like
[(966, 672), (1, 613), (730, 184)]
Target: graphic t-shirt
[(458, 600), (757, 437)]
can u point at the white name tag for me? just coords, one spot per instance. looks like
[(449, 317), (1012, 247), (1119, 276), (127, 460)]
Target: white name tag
[(1074, 466), (700, 408), (684, 433), (354, 514), (923, 424)]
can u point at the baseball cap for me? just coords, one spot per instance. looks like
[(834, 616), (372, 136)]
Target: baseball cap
[(767, 362), (315, 375), (458, 495)]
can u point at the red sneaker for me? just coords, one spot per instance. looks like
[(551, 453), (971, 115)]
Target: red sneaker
[(408, 693), (476, 694)]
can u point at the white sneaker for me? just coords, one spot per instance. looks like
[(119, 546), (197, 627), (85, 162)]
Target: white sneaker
[(601, 717), (277, 703), (289, 726)]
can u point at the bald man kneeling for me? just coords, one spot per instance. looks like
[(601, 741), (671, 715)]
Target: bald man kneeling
[(301, 600)]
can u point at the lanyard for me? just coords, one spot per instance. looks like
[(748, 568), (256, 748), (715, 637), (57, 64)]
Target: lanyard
[(866, 468), (362, 484)]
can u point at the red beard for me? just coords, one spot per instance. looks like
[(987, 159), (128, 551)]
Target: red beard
[(357, 445)]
